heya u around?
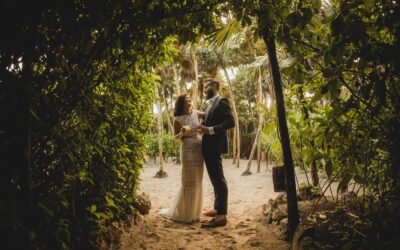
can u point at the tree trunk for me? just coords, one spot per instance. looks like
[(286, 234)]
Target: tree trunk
[(170, 126), (235, 115), (256, 144), (314, 173), (253, 149), (259, 153), (251, 111), (293, 213), (261, 120), (234, 154), (228, 141), (314, 170), (195, 87), (161, 173), (176, 80)]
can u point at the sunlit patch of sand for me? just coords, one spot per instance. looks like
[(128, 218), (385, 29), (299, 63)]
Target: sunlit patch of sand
[(247, 194)]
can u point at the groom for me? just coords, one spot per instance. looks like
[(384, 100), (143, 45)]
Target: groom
[(218, 119)]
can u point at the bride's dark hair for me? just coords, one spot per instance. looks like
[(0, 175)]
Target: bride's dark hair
[(180, 104)]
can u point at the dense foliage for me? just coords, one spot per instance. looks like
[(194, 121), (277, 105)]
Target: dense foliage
[(170, 146), (344, 57), (78, 78), (341, 76), (76, 86), (341, 73), (352, 78)]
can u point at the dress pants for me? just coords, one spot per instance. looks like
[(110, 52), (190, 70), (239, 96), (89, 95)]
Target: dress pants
[(215, 171)]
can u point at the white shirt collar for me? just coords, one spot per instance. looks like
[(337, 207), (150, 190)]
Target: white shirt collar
[(213, 99)]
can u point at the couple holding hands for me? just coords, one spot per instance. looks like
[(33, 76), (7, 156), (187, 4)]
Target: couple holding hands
[(202, 143)]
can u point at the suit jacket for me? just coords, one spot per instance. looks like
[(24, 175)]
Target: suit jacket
[(221, 119)]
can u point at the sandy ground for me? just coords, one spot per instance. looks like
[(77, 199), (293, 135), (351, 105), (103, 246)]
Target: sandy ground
[(247, 194)]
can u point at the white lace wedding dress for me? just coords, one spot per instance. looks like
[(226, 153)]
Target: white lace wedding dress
[(188, 203)]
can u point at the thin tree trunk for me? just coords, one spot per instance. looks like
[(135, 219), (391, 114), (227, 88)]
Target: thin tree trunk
[(259, 128), (234, 153), (293, 212), (250, 39), (235, 115), (161, 173), (170, 126), (314, 173), (314, 170), (261, 122), (259, 153), (228, 134), (176, 79), (195, 87), (251, 112), (302, 164), (253, 149)]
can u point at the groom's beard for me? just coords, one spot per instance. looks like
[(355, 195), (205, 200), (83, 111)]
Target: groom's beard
[(209, 95)]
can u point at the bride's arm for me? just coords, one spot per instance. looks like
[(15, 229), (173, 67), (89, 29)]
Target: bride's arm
[(200, 114), (178, 131)]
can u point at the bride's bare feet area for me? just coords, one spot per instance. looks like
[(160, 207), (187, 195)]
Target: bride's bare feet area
[(244, 230)]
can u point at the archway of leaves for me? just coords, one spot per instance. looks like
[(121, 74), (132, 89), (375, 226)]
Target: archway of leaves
[(78, 81)]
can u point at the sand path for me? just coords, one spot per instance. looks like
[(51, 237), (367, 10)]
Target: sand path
[(247, 194)]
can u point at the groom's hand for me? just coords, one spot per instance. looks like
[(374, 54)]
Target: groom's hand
[(203, 129)]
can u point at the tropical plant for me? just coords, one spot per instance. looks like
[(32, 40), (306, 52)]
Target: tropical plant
[(170, 146), (76, 88)]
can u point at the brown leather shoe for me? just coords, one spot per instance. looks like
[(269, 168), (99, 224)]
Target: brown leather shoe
[(211, 213), (213, 223)]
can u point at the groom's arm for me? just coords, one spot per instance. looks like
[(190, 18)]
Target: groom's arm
[(227, 117)]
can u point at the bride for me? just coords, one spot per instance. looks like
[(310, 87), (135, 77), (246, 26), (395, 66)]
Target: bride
[(188, 203)]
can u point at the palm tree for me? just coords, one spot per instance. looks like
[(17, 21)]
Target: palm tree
[(235, 116), (268, 36), (161, 173), (195, 88), (213, 58), (257, 140), (190, 69), (176, 79), (232, 54), (167, 111)]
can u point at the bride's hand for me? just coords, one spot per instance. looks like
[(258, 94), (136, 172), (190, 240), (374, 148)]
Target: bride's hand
[(203, 129), (185, 132)]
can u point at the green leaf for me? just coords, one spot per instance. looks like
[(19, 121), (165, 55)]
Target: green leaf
[(358, 179), (316, 97), (46, 209), (317, 156), (93, 208), (369, 3), (110, 202), (220, 37), (98, 150), (101, 215), (32, 235)]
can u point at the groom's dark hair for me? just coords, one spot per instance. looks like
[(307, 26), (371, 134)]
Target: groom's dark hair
[(214, 82)]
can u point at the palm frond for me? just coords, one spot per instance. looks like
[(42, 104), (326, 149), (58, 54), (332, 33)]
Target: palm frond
[(260, 61), (220, 37), (287, 62)]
